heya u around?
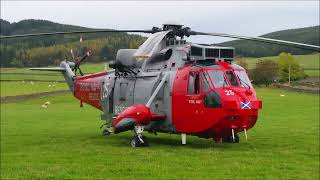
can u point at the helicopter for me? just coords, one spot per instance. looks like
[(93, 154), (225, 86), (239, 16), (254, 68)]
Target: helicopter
[(169, 85)]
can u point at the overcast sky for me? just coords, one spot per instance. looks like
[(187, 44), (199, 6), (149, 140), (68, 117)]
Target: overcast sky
[(251, 18)]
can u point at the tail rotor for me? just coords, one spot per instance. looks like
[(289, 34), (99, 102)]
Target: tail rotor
[(78, 61)]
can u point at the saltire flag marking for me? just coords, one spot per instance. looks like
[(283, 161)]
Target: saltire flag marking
[(246, 105)]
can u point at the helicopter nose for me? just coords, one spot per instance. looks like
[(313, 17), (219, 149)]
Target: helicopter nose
[(240, 116)]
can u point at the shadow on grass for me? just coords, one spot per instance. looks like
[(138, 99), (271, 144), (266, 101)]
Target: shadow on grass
[(171, 141)]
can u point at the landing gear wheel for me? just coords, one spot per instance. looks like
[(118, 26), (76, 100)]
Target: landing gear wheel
[(106, 132), (137, 142), (229, 139)]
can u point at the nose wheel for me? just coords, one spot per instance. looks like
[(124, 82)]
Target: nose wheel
[(106, 129), (231, 139)]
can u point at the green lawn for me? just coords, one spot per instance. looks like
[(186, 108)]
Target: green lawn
[(64, 142), (31, 77), (306, 61), (86, 68), (311, 72), (19, 88)]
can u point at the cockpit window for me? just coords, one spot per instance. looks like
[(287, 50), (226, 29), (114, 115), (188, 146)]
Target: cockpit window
[(218, 78), (243, 78), (193, 83), (232, 78), (205, 84)]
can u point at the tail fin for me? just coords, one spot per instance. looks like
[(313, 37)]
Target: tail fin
[(65, 68)]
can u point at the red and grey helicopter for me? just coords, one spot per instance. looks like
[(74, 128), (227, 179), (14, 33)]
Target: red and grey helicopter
[(170, 85)]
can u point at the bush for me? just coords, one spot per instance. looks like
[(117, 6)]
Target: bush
[(265, 72), (242, 63)]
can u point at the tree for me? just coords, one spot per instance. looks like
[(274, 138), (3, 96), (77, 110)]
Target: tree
[(242, 63), (265, 72), (286, 61)]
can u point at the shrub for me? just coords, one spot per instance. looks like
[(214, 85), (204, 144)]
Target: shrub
[(242, 63), (265, 72)]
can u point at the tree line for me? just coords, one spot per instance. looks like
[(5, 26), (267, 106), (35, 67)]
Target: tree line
[(103, 49), (50, 50)]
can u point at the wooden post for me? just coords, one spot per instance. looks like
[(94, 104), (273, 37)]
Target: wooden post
[(289, 73)]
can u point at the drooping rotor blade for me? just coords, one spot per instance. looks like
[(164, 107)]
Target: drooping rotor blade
[(75, 32), (60, 69), (262, 39), (85, 56), (72, 54)]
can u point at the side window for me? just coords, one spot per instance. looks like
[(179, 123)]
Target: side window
[(205, 85), (193, 83), (212, 100), (232, 78), (218, 78), (123, 89)]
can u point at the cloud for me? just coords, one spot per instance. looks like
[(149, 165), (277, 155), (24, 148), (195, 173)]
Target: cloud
[(235, 17)]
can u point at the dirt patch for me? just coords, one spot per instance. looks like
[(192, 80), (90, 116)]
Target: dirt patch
[(8, 99), (298, 88)]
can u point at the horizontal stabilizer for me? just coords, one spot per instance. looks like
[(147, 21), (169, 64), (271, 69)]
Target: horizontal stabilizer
[(50, 69)]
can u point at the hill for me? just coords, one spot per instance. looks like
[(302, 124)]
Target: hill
[(48, 50), (308, 35)]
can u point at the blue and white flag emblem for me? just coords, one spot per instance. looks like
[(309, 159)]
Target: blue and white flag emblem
[(246, 105)]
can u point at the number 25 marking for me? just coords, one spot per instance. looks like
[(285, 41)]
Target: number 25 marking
[(229, 92)]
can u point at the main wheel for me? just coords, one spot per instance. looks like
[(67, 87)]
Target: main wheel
[(145, 141), (136, 142), (229, 139)]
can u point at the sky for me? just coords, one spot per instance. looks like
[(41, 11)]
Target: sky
[(249, 18)]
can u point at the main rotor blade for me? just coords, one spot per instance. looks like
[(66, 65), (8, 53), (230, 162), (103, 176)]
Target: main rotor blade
[(262, 39), (75, 32)]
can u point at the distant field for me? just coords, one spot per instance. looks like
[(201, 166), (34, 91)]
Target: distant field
[(312, 72), (20, 88), (306, 61), (64, 142), (24, 87), (86, 67)]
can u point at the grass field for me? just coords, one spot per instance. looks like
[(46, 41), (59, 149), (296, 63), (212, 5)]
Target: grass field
[(86, 68), (20, 88), (306, 61), (64, 142)]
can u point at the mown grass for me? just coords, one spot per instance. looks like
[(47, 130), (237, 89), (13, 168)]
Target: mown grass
[(86, 67), (21, 87), (305, 61), (44, 75), (40, 77), (64, 142), (312, 72)]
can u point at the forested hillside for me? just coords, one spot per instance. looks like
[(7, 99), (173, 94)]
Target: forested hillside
[(308, 35), (48, 50)]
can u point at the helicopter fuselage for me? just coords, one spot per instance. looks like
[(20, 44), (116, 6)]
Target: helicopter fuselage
[(207, 101)]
